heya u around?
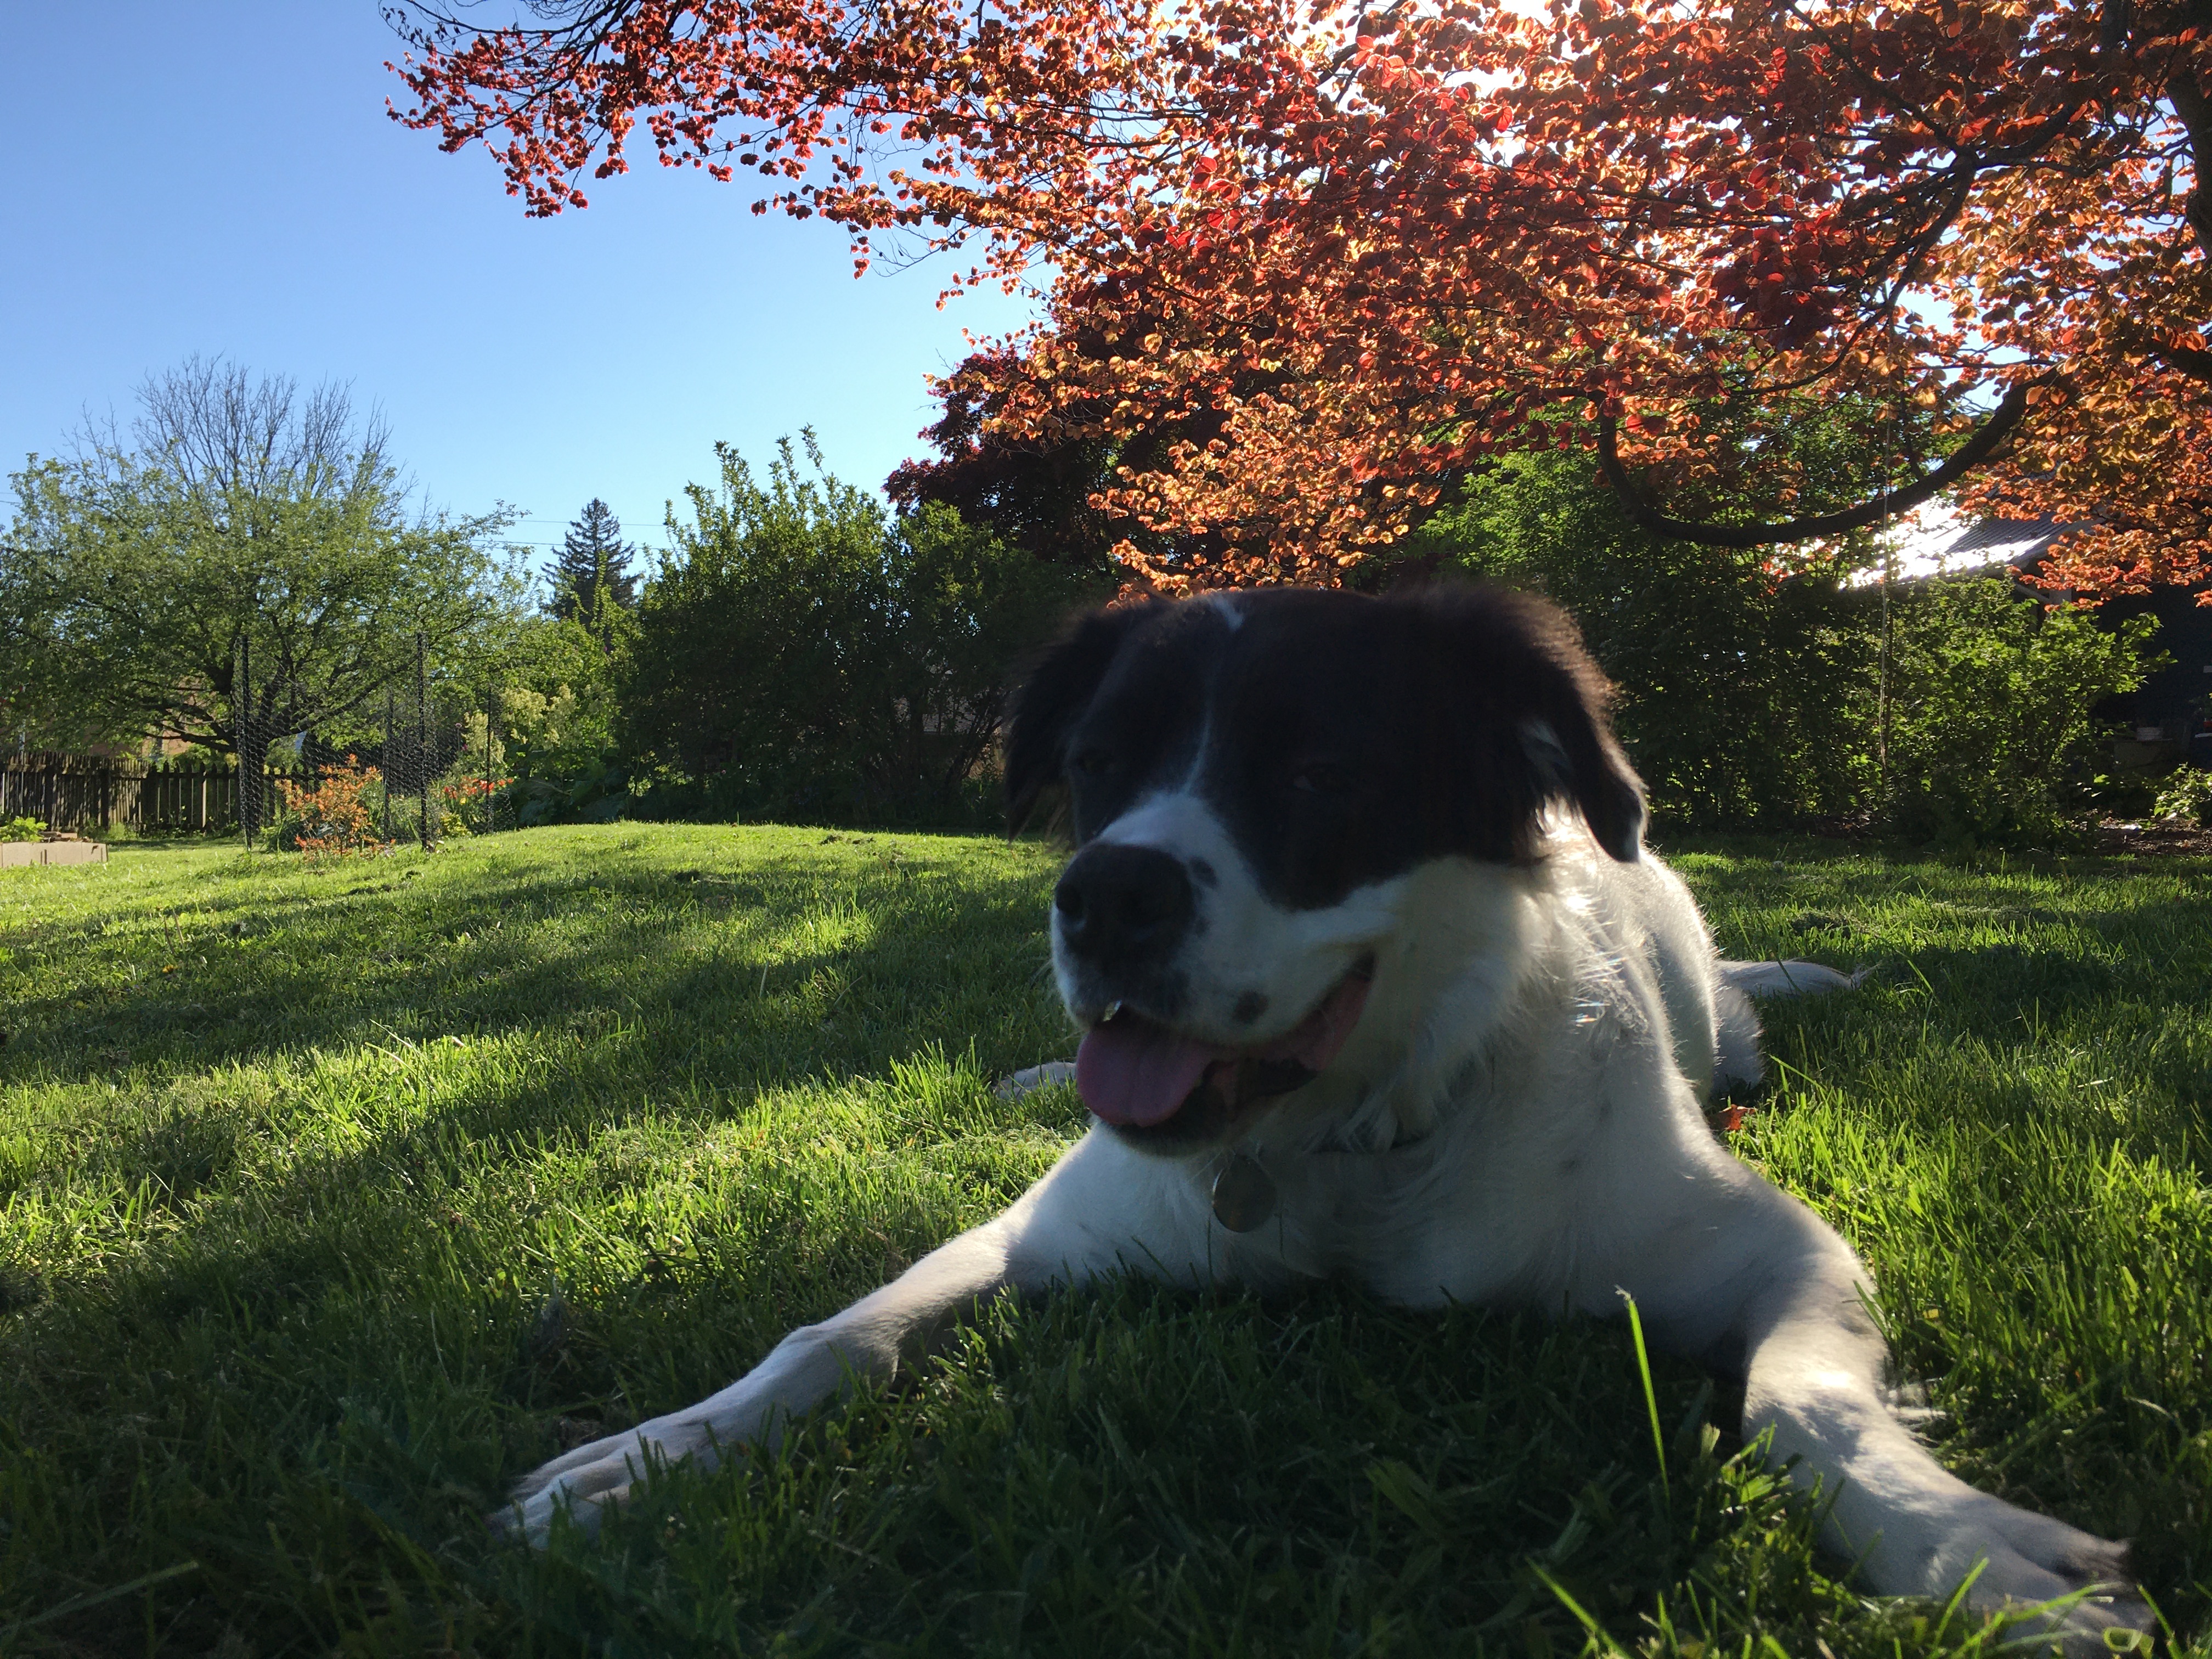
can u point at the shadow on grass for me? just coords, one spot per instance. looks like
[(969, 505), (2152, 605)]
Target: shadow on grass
[(248, 979)]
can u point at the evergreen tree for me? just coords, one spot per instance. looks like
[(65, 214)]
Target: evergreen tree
[(592, 570)]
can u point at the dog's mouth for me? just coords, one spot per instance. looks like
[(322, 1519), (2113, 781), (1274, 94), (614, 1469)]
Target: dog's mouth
[(1136, 1073)]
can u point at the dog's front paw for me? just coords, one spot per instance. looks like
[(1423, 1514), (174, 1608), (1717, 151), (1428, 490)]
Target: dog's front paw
[(588, 1480), (2031, 1559)]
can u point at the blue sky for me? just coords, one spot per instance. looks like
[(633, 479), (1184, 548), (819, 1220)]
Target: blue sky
[(221, 179)]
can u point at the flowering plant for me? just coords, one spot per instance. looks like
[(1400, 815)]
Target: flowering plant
[(333, 820)]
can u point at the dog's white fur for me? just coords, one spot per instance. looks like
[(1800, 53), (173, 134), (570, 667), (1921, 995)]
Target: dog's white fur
[(1517, 1120)]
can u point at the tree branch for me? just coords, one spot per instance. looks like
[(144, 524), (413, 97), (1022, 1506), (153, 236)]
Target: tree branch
[(2185, 360), (2194, 110), (1964, 459)]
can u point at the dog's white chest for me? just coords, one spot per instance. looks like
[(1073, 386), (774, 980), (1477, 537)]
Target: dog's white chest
[(1413, 1225)]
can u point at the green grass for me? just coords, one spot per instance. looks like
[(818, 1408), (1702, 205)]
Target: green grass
[(332, 1199)]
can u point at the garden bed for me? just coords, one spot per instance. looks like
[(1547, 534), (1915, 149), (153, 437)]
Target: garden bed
[(2154, 840)]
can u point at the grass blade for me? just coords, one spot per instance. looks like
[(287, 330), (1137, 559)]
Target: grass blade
[(1650, 1394), (96, 1598)]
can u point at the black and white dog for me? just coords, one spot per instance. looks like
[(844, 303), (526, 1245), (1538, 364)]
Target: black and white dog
[(1378, 981)]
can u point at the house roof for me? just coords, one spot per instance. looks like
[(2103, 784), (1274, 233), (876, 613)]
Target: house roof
[(1939, 541)]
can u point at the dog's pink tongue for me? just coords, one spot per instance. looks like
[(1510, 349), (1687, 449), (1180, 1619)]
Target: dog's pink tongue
[(1131, 1071)]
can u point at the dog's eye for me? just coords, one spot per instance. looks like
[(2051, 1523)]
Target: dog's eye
[(1090, 763), (1321, 778)]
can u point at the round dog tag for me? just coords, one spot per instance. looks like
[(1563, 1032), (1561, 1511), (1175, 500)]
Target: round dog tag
[(1243, 1195)]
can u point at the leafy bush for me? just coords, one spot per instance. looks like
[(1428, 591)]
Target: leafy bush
[(557, 695), (1749, 697), (537, 740), (598, 794), (1744, 698), (805, 653), (2187, 795), (23, 828), (1991, 739)]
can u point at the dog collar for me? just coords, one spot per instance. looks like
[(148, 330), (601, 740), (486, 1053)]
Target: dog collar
[(1244, 1194)]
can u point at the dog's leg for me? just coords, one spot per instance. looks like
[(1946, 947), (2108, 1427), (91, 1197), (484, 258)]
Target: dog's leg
[(1738, 1062), (1102, 1209), (873, 1337), (1815, 1367), (1785, 978)]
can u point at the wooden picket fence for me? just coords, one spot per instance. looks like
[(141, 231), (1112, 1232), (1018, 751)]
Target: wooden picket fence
[(83, 792)]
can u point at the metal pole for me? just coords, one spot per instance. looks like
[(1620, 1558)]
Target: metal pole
[(391, 736), (249, 797), (1881, 685), (1882, 711), (423, 734)]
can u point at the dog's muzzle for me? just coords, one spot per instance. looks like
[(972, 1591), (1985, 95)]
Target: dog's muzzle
[(1163, 1087)]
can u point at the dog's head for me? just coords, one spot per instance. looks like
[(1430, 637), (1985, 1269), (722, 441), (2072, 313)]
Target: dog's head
[(1251, 779)]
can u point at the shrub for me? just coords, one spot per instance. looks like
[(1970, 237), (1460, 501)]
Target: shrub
[(330, 818), (1747, 697), (23, 828), (805, 653), (1744, 698), (539, 724), (2186, 794), (1991, 741)]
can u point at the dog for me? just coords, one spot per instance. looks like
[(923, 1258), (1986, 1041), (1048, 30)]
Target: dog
[(1377, 981)]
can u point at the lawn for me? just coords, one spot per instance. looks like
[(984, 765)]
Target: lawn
[(333, 1198)]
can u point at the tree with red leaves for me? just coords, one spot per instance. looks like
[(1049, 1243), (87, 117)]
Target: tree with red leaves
[(1305, 261)]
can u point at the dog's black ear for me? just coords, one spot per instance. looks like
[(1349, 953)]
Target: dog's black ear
[(1519, 671), (1584, 764), (1569, 738), (1054, 692)]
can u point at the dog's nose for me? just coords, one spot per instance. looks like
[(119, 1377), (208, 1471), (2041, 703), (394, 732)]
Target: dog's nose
[(1121, 904)]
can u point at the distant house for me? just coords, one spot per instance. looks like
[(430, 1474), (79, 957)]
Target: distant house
[(2171, 715), (1938, 541)]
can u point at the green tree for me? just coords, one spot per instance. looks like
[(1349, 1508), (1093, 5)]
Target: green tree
[(1750, 695), (805, 652), (1744, 697), (591, 574), (1992, 738), (549, 691), (243, 523)]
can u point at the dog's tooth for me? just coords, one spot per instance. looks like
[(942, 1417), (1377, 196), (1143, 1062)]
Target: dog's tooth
[(1112, 1009)]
